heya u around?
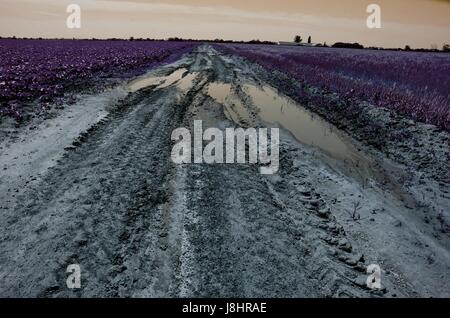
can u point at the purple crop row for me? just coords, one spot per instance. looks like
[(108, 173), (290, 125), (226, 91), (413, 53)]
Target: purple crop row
[(44, 70), (416, 85)]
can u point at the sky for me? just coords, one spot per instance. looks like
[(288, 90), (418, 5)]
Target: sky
[(418, 23)]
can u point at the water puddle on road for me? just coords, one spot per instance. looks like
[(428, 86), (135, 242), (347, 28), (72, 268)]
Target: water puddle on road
[(310, 129), (187, 82), (307, 128), (233, 108), (159, 81)]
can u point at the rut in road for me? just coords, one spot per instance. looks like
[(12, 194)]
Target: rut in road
[(141, 226)]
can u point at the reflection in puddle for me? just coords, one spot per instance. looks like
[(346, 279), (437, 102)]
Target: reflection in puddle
[(172, 78), (233, 108), (186, 83), (160, 81), (306, 127), (312, 130)]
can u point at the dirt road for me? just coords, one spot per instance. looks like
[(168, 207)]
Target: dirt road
[(140, 226)]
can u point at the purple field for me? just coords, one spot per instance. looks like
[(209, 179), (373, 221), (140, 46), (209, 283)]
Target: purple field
[(416, 85), (43, 70)]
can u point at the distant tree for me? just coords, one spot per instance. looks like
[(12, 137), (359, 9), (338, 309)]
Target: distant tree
[(309, 39), (407, 48), (343, 45), (446, 48), (298, 39), (131, 38)]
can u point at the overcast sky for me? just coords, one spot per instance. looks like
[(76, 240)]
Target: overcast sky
[(419, 23)]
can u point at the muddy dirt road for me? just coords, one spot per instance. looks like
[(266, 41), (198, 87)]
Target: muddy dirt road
[(96, 187)]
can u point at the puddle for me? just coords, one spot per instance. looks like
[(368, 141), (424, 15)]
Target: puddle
[(186, 83), (305, 126), (308, 129), (159, 81), (233, 108)]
